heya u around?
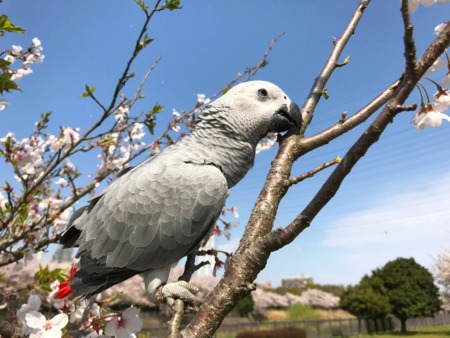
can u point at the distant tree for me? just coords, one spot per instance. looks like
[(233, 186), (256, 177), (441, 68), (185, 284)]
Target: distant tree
[(410, 288), (442, 275), (335, 289), (245, 306), (366, 300)]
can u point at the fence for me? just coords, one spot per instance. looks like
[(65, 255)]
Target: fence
[(317, 328)]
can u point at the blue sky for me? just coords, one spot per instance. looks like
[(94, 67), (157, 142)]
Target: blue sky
[(395, 201)]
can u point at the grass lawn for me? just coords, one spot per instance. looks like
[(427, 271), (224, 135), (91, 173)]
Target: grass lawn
[(425, 332)]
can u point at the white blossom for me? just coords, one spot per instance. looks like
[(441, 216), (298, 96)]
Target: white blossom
[(10, 58), (136, 132), (43, 328), (429, 118), (3, 201), (36, 42), (436, 66), (439, 28), (122, 326), (442, 101), (16, 50), (62, 182), (121, 114), (33, 304)]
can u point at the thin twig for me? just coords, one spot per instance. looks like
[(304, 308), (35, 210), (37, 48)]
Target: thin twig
[(311, 173), (319, 84), (408, 38)]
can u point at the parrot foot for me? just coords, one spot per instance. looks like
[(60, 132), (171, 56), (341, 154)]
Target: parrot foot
[(180, 290)]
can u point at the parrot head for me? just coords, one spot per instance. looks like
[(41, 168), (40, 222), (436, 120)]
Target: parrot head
[(257, 108)]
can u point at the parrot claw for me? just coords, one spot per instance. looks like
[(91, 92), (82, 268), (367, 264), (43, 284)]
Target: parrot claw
[(180, 290)]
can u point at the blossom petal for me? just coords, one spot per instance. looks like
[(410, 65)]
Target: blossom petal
[(111, 327), (35, 320), (59, 321)]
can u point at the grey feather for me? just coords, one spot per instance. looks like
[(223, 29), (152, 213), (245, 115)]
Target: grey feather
[(160, 210)]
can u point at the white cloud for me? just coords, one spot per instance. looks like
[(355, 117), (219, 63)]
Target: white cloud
[(411, 221)]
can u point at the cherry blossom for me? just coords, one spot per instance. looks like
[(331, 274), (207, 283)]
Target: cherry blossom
[(121, 115), (43, 328), (67, 137), (3, 201), (33, 304), (439, 28), (268, 142), (122, 326), (174, 124), (429, 117), (234, 212), (436, 66), (442, 100), (202, 100), (136, 132), (62, 182)]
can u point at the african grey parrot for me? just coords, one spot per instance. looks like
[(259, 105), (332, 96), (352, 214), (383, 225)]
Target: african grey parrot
[(159, 211)]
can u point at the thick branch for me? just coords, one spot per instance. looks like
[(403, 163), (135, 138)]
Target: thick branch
[(243, 267), (282, 237)]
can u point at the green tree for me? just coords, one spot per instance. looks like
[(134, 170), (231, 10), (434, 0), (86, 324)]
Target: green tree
[(366, 300), (245, 306), (410, 288)]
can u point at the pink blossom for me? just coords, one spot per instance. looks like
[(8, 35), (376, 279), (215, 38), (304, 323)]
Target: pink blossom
[(67, 138), (41, 327), (234, 212), (266, 143), (123, 325)]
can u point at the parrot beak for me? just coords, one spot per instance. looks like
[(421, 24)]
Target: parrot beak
[(286, 118)]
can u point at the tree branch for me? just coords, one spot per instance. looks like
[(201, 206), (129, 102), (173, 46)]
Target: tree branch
[(243, 267), (408, 39), (282, 237), (319, 84), (311, 173), (340, 128)]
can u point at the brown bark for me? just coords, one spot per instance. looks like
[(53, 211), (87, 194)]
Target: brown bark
[(258, 242)]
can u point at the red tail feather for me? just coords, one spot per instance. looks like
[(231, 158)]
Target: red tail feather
[(64, 288)]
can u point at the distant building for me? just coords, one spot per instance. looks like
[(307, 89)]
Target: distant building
[(296, 282), (264, 285)]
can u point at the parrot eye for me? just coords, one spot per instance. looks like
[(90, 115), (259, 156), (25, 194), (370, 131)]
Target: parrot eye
[(262, 92)]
